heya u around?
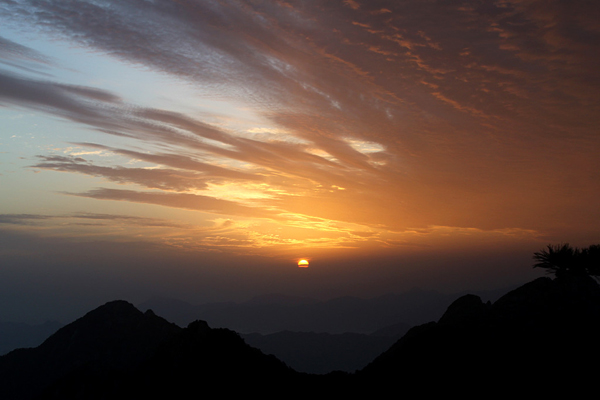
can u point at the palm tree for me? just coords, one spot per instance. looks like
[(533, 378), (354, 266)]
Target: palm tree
[(591, 260), (563, 260)]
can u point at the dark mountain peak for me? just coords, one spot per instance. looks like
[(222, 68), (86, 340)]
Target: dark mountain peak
[(116, 304), (544, 325), (198, 326), (117, 321), (466, 309), (537, 292), (118, 351), (113, 337), (117, 309), (149, 313), (545, 296)]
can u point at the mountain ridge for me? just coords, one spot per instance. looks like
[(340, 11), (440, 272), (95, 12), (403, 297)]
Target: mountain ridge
[(117, 351), (541, 327)]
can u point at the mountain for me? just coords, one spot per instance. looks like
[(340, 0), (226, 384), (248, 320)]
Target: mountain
[(114, 337), (275, 313), (116, 351), (541, 337), (216, 360)]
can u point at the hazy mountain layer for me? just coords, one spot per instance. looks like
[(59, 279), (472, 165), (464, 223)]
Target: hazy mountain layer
[(321, 353), (276, 313), (19, 335), (538, 339)]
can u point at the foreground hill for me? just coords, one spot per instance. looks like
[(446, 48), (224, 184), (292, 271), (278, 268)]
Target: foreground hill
[(114, 337), (116, 351), (542, 336), (538, 339)]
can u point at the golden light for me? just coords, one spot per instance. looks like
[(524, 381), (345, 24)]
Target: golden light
[(303, 263)]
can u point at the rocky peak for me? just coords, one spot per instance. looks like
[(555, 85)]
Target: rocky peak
[(466, 309)]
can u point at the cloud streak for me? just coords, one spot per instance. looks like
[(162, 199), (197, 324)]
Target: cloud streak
[(179, 200)]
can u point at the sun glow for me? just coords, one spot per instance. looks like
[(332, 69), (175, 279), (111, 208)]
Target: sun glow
[(303, 263)]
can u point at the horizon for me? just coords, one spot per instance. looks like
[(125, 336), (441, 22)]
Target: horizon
[(200, 149), (486, 295)]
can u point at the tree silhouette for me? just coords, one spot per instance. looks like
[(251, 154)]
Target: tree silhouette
[(591, 260), (564, 260)]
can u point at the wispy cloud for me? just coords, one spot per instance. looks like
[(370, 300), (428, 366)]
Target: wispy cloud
[(180, 200), (166, 179)]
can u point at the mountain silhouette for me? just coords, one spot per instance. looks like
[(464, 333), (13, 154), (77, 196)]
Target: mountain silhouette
[(539, 339), (115, 337), (116, 351)]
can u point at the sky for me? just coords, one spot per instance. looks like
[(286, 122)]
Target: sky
[(199, 149)]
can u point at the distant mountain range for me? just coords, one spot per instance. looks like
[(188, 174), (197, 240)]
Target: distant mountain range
[(539, 339), (276, 312)]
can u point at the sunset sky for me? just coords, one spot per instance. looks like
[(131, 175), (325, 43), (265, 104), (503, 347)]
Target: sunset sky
[(199, 149)]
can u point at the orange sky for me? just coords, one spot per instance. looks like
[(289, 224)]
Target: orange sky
[(273, 130)]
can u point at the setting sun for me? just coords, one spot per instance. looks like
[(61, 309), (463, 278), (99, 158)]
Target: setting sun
[(303, 263)]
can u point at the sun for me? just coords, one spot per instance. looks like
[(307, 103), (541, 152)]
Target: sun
[(303, 263)]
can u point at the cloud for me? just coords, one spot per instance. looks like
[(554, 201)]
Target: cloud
[(391, 141), (72, 102), (209, 171), (32, 219), (180, 200), (166, 179), (13, 50), (469, 104), (130, 220), (23, 219)]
